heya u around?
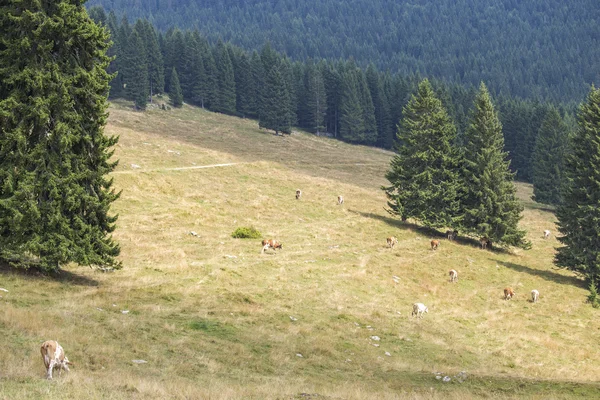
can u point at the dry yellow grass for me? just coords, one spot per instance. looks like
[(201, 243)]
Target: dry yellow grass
[(211, 315)]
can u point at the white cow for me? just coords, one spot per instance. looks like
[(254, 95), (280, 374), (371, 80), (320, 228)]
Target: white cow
[(419, 309), (340, 200), (298, 194), (535, 295), (453, 275), (546, 234), (54, 357)]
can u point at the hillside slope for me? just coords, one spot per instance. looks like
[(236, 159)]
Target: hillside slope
[(214, 318), (537, 48)]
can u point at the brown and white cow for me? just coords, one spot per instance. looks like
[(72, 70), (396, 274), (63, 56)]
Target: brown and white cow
[(453, 275), (435, 244), (508, 293), (485, 243), (298, 194), (266, 243), (54, 357), (392, 241), (340, 200)]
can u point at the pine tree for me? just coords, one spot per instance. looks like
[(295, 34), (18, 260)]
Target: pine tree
[(316, 100), (547, 160), (136, 72), (55, 195), (274, 114), (225, 95), (154, 60), (579, 212), (175, 93), (352, 122), (368, 109), (424, 173), (489, 204)]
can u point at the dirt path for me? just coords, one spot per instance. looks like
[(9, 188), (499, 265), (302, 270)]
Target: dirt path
[(138, 170)]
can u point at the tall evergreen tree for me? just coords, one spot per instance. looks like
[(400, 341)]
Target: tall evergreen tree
[(548, 157), (489, 204), (316, 100), (136, 72), (424, 172), (175, 93), (154, 60), (55, 195), (352, 117), (225, 95), (274, 114), (579, 213)]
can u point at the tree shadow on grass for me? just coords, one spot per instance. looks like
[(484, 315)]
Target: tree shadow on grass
[(425, 231), (545, 274), (61, 276)]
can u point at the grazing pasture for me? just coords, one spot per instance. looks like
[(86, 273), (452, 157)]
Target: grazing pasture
[(206, 316)]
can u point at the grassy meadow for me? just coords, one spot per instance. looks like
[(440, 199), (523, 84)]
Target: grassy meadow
[(215, 319)]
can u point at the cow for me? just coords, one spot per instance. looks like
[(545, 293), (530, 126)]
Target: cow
[(340, 200), (54, 357), (266, 243), (485, 243), (546, 234), (508, 293), (453, 275), (451, 235), (434, 244), (298, 194), (419, 309), (534, 296), (392, 241)]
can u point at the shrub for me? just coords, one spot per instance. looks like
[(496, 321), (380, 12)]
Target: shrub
[(593, 296), (245, 232)]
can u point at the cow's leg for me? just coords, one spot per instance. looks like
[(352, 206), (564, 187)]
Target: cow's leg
[(50, 368)]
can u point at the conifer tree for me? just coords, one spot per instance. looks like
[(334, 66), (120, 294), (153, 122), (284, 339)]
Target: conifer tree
[(547, 160), (175, 93), (55, 195), (225, 94), (579, 212), (489, 205), (366, 104), (154, 61), (424, 172), (135, 70), (352, 117), (274, 114), (316, 100)]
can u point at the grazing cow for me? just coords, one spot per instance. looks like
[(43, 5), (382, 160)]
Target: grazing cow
[(340, 200), (298, 194), (485, 243), (451, 235), (508, 293), (266, 243), (419, 309), (453, 275), (434, 244), (392, 241), (54, 357), (546, 234), (535, 296)]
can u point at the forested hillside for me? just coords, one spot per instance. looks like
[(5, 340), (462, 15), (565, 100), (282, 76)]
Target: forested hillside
[(532, 49)]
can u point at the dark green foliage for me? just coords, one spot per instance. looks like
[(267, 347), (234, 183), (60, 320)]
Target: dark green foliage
[(424, 173), (246, 232), (527, 49), (315, 99), (274, 112), (225, 98), (154, 60), (175, 93), (579, 214), (548, 156), (489, 206), (352, 122), (54, 158), (593, 296), (136, 72)]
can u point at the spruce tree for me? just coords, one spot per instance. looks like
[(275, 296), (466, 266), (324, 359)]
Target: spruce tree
[(489, 205), (579, 212), (352, 117), (175, 93), (225, 98), (547, 160), (316, 100), (55, 195), (424, 172), (135, 70), (274, 114)]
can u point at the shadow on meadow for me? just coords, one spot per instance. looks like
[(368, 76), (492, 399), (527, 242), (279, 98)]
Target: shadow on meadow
[(61, 276), (544, 274)]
